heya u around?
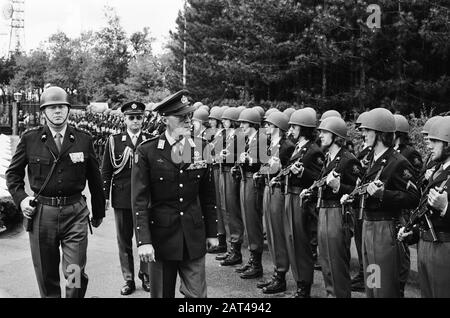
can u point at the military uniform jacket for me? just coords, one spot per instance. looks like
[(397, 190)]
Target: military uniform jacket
[(121, 182), (78, 163), (400, 191), (313, 160), (349, 169), (414, 158), (174, 204)]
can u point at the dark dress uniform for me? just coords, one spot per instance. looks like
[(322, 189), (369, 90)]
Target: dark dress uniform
[(300, 219), (381, 218), (273, 211), (117, 178), (174, 205), (335, 227), (433, 258), (62, 215)]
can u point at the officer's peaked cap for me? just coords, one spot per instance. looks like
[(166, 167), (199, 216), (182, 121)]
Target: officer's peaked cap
[(175, 105)]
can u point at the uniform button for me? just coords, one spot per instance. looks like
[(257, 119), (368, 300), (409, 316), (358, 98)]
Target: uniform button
[(181, 213), (181, 200), (181, 185)]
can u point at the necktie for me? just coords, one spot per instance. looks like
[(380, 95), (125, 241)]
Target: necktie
[(58, 137)]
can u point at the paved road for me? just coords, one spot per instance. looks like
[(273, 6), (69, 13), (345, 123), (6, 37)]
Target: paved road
[(17, 277)]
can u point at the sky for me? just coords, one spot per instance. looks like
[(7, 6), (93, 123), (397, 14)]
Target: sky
[(45, 17)]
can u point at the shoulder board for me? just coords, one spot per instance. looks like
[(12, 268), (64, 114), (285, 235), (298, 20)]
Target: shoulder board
[(83, 131), (29, 130)]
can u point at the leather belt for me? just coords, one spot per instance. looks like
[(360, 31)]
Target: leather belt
[(442, 236), (59, 201)]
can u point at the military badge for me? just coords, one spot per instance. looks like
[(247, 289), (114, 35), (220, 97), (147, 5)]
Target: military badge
[(406, 174)]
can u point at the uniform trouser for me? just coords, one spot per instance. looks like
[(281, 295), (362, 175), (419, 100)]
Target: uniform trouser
[(433, 264), (222, 219), (273, 210), (381, 259), (297, 233), (334, 252), (163, 275), (65, 227), (233, 211), (251, 207), (124, 233)]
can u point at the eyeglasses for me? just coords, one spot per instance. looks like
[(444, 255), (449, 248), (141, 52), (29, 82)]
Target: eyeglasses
[(135, 117)]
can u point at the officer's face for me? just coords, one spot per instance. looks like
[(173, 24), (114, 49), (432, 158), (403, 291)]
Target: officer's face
[(369, 137), (437, 149), (295, 131), (57, 113), (134, 122), (326, 138)]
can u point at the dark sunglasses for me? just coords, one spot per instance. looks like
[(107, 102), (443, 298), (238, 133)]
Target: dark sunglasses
[(135, 117)]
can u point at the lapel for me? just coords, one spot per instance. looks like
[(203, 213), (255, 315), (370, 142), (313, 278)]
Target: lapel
[(50, 142), (379, 163)]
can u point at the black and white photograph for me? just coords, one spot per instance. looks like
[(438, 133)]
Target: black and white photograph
[(235, 151)]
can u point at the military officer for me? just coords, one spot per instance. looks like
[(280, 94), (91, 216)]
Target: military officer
[(173, 199), (389, 188), (304, 168), (116, 171), (338, 177), (280, 150), (60, 159), (433, 257)]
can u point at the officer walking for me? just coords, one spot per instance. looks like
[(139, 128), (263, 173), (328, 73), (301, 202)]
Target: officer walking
[(116, 171), (173, 199), (60, 159)]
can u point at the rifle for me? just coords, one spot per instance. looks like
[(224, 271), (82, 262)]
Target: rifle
[(422, 211)]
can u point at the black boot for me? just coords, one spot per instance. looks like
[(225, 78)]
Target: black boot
[(278, 284), (234, 257), (255, 270), (303, 290), (221, 248), (358, 282)]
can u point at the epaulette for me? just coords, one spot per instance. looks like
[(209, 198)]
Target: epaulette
[(32, 129), (83, 131)]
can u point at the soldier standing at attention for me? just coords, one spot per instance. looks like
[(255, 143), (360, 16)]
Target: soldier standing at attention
[(60, 158), (173, 199), (116, 171), (390, 188), (433, 257)]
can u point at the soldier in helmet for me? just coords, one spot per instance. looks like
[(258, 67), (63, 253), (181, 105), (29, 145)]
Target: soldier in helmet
[(60, 160), (386, 188), (116, 172), (300, 223), (433, 258), (279, 151), (338, 177)]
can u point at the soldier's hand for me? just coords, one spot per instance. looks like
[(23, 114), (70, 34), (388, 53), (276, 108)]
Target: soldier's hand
[(211, 242), (107, 205), (96, 222), (27, 210), (438, 200), (402, 234), (146, 253), (375, 189)]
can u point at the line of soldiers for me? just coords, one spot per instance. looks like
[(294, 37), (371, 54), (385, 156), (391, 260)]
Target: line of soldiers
[(298, 183)]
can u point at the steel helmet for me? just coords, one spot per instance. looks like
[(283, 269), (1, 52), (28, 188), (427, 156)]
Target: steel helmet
[(303, 117), (379, 119), (289, 111), (269, 112), (361, 118), (440, 129), (250, 115), (231, 113), (429, 123), (330, 113), (279, 119), (260, 110), (54, 96), (334, 125), (401, 124), (201, 115), (216, 113)]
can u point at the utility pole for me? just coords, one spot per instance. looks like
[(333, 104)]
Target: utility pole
[(184, 44)]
